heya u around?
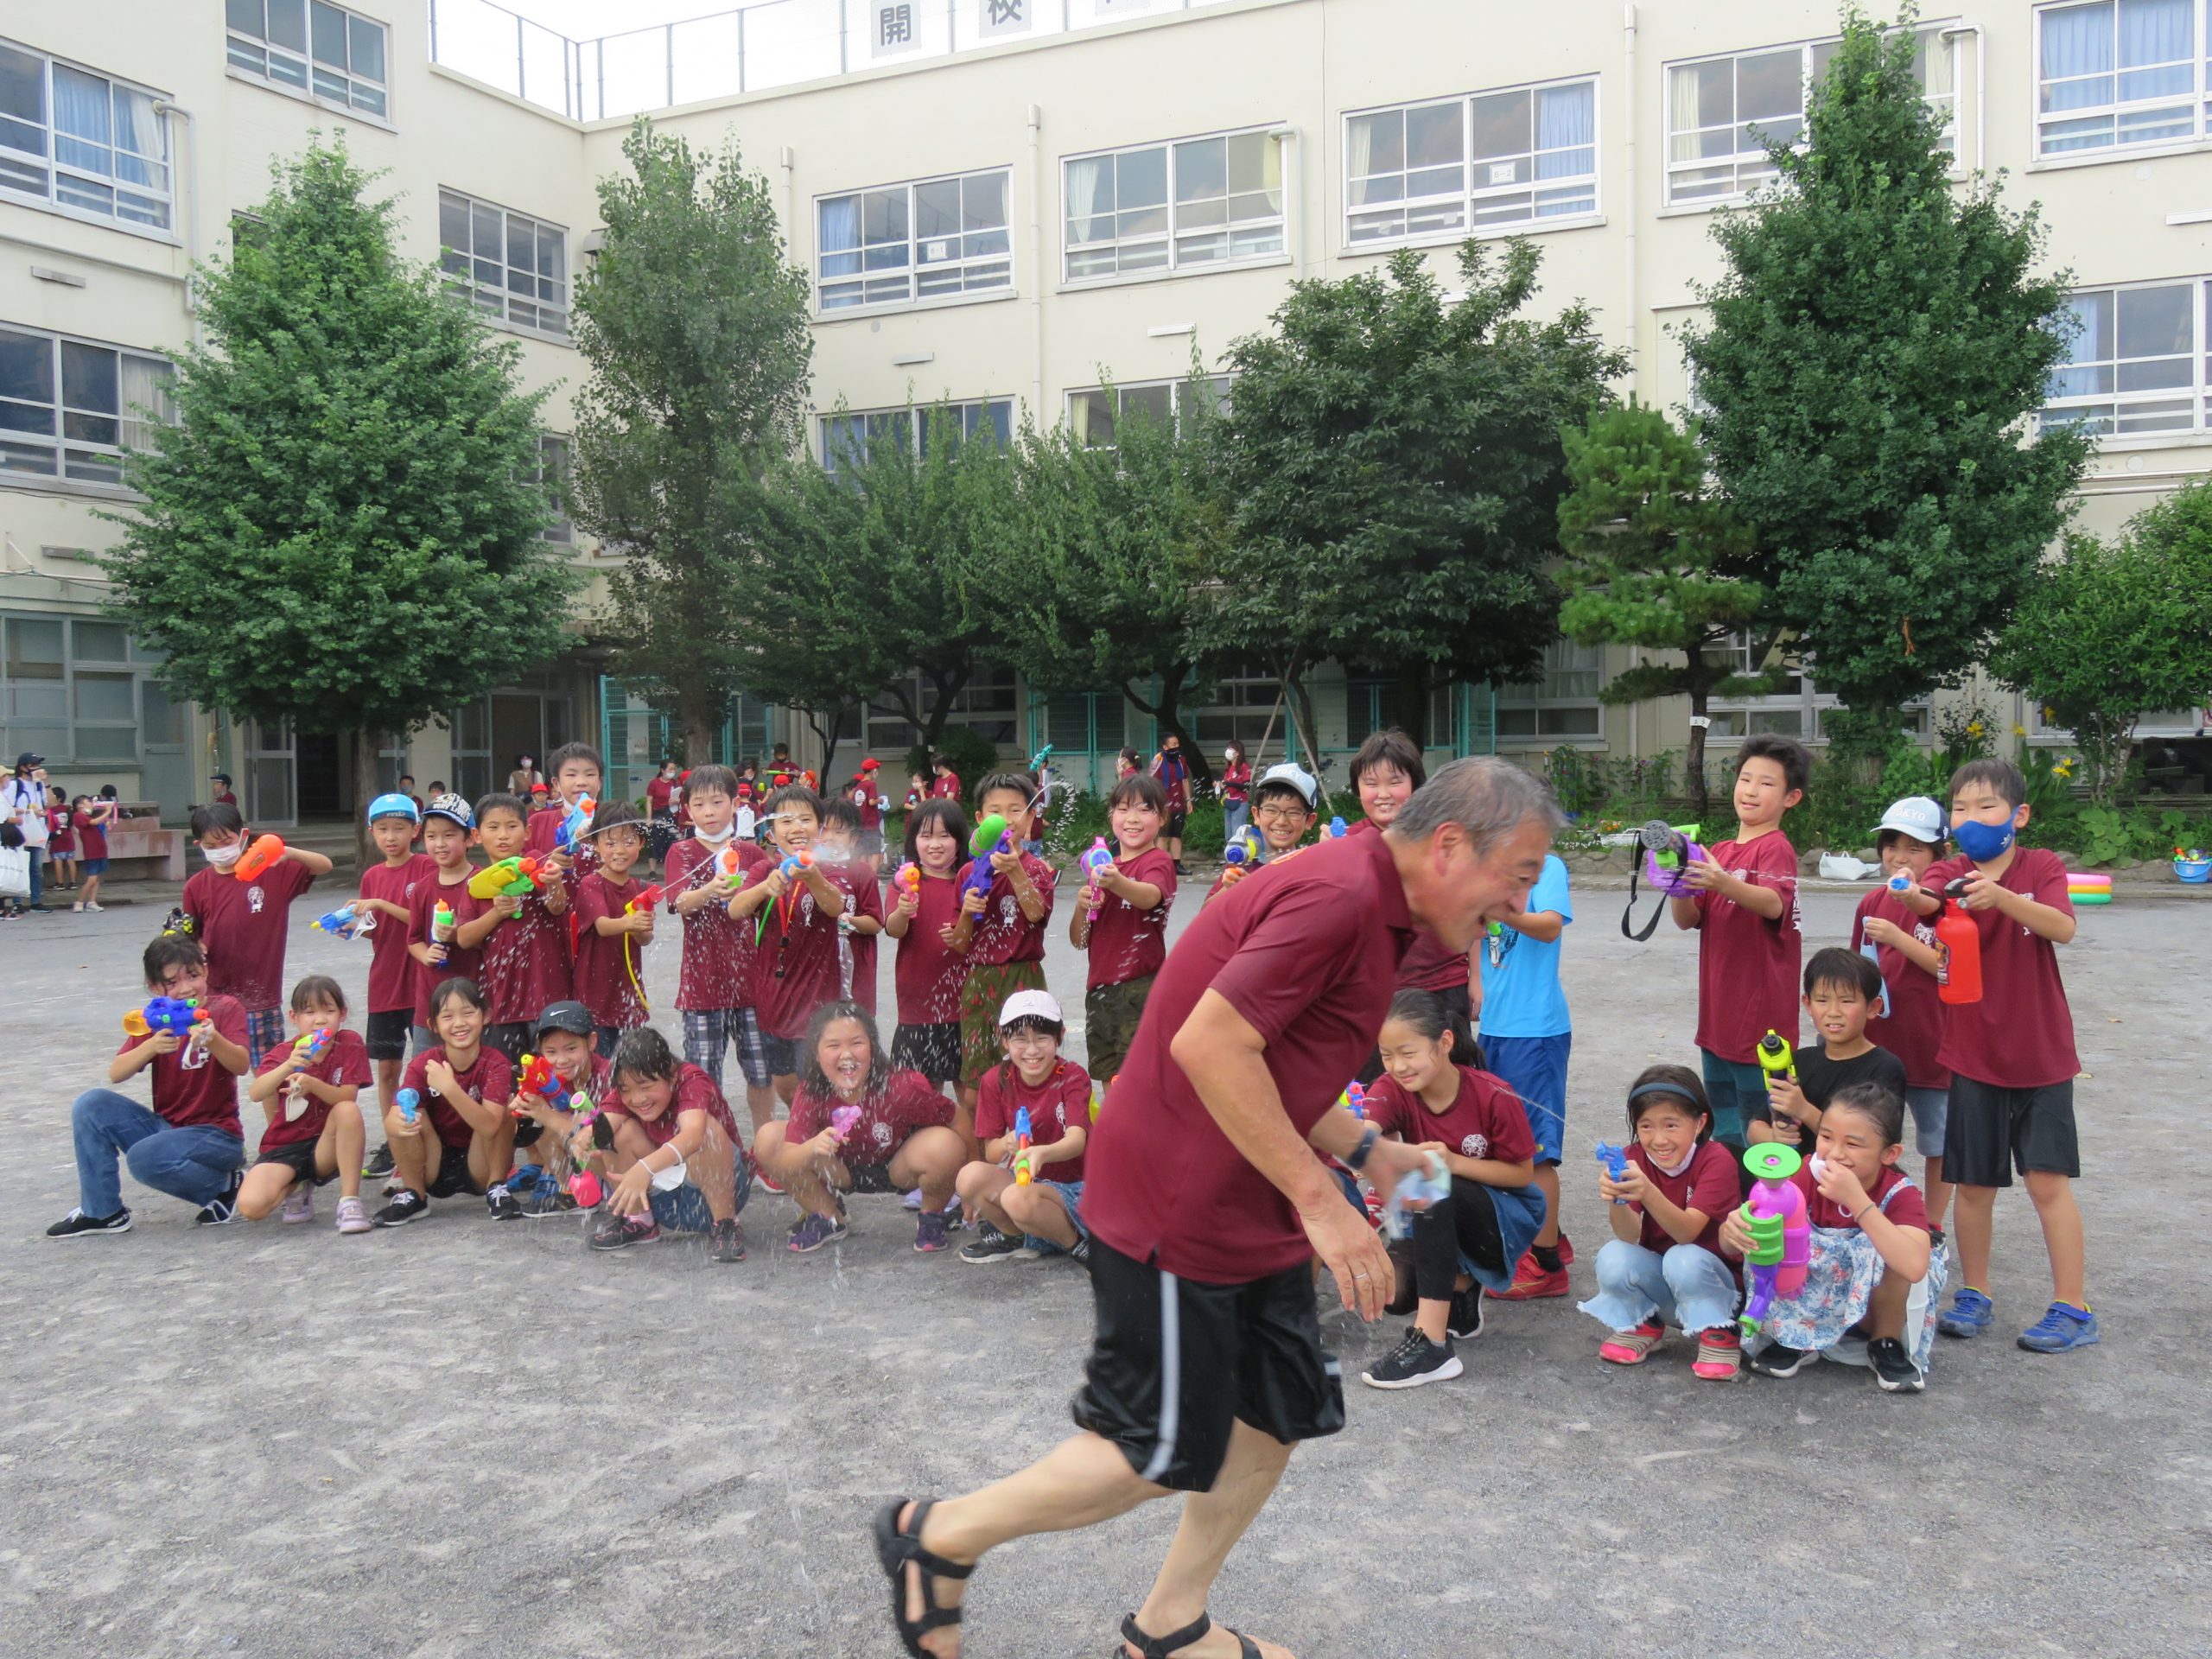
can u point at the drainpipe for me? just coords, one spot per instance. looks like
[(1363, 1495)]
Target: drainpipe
[(1037, 411), (190, 213), (1630, 207)]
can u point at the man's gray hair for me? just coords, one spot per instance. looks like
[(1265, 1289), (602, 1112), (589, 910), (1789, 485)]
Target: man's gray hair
[(1488, 797)]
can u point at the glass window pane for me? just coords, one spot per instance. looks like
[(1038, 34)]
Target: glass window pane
[(983, 201), (88, 378), (1146, 403), (1201, 169), (329, 26), (1140, 179), (1432, 136), (1769, 86), (1381, 141), (367, 42), (100, 642), (244, 15), (106, 696), (1500, 126), (288, 24), (937, 207), (2154, 321), (26, 367)]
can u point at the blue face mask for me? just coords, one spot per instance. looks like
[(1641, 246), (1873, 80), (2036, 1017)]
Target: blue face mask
[(1982, 841)]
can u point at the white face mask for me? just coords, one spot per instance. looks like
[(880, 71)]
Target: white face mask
[(223, 857), (713, 837), (1689, 1158)]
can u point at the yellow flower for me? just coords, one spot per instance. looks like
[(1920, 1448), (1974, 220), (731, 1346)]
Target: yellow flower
[(2020, 730), (1973, 728)]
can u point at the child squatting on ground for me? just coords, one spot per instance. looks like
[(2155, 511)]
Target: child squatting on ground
[(311, 1092), (1034, 1119)]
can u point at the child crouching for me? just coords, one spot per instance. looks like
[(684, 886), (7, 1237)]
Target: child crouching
[(1026, 1211), (315, 1132), (676, 1161)]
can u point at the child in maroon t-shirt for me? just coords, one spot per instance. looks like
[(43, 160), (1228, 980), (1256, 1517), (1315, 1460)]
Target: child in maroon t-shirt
[(1127, 940), (676, 1162), (1665, 1264), (445, 923), (240, 923), (794, 918), (526, 964), (929, 973), (311, 1099), (1000, 931), (1030, 1199), (713, 986), (612, 931), (387, 893), (860, 925), (451, 1132), (1910, 1021)]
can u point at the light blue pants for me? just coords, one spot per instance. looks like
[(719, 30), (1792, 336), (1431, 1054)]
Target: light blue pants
[(194, 1162), (1689, 1286), (1235, 815)]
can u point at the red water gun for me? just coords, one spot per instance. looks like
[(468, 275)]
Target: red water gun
[(539, 1078), (265, 851), (646, 899)]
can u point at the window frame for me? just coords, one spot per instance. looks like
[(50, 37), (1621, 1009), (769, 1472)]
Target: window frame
[(2198, 99), (1469, 196), (1172, 262), (238, 47), (465, 283), (57, 432), (49, 162), (1536, 699), (2197, 354), (914, 418), (1177, 388), (885, 730), (36, 731), (913, 299)]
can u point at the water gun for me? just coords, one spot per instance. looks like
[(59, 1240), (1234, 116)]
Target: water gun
[(1872, 953), (648, 898), (1615, 1158), (509, 877), (1668, 851), (843, 1120), (1958, 950), (584, 1185), (575, 824), (909, 879), (539, 1078), (1901, 882), (1354, 1098), (1095, 862), (1782, 1233), (729, 867), (175, 1014), (1774, 1056), (409, 1101), (1022, 1174), (314, 1044), (789, 870), (1037, 761), (1337, 830), (1243, 849), (1428, 1185), (991, 836), (344, 923), (265, 851)]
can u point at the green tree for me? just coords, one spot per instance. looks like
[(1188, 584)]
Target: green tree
[(1395, 466), (1872, 353), (340, 529), (1656, 559), (2113, 631), (695, 326)]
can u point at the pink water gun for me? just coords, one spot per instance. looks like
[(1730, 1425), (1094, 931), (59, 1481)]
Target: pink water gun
[(1782, 1233), (843, 1121), (1096, 863)]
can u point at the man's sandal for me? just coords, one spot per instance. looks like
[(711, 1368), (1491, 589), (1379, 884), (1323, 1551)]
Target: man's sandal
[(899, 1550), (1159, 1647)]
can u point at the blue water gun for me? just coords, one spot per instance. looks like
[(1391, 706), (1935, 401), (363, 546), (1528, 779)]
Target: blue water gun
[(1022, 1173), (1243, 849), (1336, 827), (575, 824), (991, 836), (408, 1101), (1615, 1162), (343, 923)]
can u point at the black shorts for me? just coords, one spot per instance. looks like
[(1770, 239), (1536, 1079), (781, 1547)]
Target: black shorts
[(933, 1051), (871, 1178), (1175, 1362), (1172, 830), (1992, 1131), (870, 844), (387, 1033), (453, 1178), (298, 1156)]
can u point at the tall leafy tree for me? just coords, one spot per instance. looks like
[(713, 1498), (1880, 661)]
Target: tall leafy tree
[(1656, 559), (340, 529), (695, 325), (1395, 461), (1878, 340)]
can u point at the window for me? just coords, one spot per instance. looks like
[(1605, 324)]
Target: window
[(2138, 364), (514, 267), (1722, 112), (1562, 703), (1371, 706), (552, 477), (1094, 410), (2120, 73), (84, 143), (69, 690), (321, 50), (68, 408), (934, 240), (1239, 705), (1514, 157), (1177, 206), (985, 705), (848, 434)]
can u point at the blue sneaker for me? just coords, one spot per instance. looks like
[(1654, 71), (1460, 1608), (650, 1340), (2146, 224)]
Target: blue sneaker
[(1969, 1315), (2065, 1326)]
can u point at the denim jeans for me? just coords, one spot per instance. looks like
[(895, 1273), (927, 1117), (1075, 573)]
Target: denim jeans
[(37, 861), (1737, 1091), (193, 1163), (1235, 815), (1689, 1287)]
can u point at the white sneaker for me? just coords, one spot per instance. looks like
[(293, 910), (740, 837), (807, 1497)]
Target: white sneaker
[(97, 910), (354, 1216), (77, 909), (913, 1199), (299, 1204)]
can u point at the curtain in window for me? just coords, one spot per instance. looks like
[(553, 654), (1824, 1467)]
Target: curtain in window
[(1567, 122), (145, 387), (2077, 41), (138, 147), (1359, 147), (1089, 188), (2154, 31), (1682, 114), (840, 225), (81, 120)]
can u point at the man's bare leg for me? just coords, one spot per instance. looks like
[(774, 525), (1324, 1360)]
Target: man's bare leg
[(1212, 1523)]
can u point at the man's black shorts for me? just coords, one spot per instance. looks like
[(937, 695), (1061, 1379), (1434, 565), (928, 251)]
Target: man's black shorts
[(453, 1178), (1172, 830), (1175, 1362), (1992, 1131), (386, 1038)]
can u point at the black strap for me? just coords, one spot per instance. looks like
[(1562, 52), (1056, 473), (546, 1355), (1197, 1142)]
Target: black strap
[(1636, 863), (1159, 1647)]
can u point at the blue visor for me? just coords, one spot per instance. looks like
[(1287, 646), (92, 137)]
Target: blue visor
[(395, 806)]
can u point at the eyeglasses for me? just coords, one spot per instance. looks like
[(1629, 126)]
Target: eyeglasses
[(1282, 813)]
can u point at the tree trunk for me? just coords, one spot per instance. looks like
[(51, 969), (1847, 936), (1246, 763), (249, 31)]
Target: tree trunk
[(1693, 757), (1410, 703), (365, 745), (1301, 721), (948, 685), (1168, 712)]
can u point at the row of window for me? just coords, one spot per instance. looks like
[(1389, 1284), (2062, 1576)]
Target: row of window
[(70, 690)]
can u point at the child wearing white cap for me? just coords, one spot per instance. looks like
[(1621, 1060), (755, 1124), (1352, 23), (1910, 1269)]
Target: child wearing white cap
[(1910, 838), (1025, 1211)]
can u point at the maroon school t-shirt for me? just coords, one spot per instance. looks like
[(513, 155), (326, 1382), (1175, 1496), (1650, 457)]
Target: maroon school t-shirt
[(1126, 943), (430, 893), (1002, 933), (2020, 1035), (695, 1092), (857, 950), (191, 1086), (1487, 1119), (796, 965), (1907, 1209), (490, 1082), (929, 972), (392, 970), (1059, 1104), (1310, 958), (241, 926), (92, 834), (1709, 1185), (604, 966), (344, 1062), (1913, 1030), (717, 966), (889, 1117), (545, 829), (1749, 969), (526, 962)]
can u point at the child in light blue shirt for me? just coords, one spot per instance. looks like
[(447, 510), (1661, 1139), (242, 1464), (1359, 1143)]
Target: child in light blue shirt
[(1526, 1035)]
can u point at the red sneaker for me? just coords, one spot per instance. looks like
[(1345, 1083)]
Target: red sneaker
[(1718, 1352), (1531, 1283), (1566, 1251), (1632, 1347)]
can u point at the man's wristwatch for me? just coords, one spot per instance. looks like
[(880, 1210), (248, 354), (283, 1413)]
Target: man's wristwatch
[(1356, 1160)]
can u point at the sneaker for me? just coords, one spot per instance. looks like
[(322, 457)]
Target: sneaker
[(1566, 1251), (1531, 1283), (379, 1165), (1969, 1315), (618, 1232), (1719, 1351), (299, 1204), (547, 1197), (221, 1212), (503, 1204), (97, 910), (353, 1215), (404, 1208), (78, 1224), (992, 1245), (1414, 1362), (813, 1232), (762, 1179), (1465, 1322), (1632, 1347), (77, 909), (2065, 1326), (728, 1240), (913, 1199), (1081, 1254), (1774, 1360), (931, 1235), (1894, 1371)]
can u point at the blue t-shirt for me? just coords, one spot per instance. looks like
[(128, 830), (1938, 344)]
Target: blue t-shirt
[(1522, 994)]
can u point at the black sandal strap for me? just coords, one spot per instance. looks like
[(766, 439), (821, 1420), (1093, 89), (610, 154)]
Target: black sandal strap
[(1159, 1647), (1246, 1647), (897, 1549), (929, 1561)]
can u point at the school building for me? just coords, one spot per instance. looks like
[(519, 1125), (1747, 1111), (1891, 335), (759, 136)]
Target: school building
[(1012, 204)]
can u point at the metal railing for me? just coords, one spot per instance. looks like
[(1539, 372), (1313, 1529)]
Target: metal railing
[(745, 49)]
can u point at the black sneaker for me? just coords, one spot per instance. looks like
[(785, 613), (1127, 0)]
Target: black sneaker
[(1777, 1361), (1894, 1371), (729, 1238), (221, 1212), (503, 1204), (1081, 1254), (379, 1165), (1414, 1362), (547, 1197), (78, 1224), (1465, 1322), (992, 1245), (618, 1232), (402, 1210)]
